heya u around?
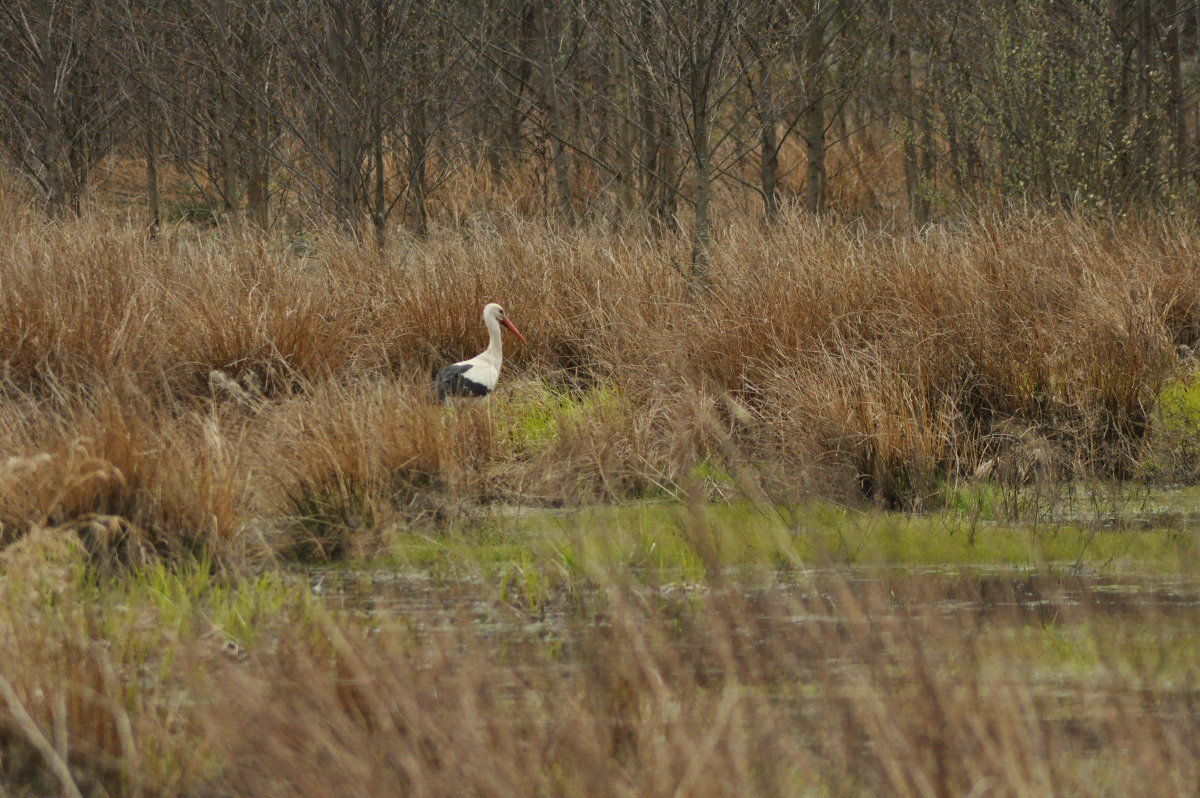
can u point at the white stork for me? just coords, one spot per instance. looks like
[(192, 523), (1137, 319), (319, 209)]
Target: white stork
[(477, 376)]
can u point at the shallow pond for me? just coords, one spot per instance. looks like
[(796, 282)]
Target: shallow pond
[(975, 594)]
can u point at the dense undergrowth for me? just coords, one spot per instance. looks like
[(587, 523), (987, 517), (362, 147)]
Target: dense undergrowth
[(236, 397), (177, 414)]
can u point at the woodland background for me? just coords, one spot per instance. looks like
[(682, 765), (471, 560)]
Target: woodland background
[(372, 112)]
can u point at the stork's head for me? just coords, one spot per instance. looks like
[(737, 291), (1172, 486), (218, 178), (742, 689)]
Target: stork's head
[(493, 312)]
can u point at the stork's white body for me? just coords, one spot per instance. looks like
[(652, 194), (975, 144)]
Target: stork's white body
[(483, 369), (477, 376)]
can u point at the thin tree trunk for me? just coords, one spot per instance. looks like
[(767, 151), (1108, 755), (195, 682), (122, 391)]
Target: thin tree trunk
[(814, 114), (151, 172), (257, 156), (768, 157), (1175, 103), (548, 24), (1147, 155), (261, 180), (515, 79), (701, 233), (348, 170), (418, 151), (379, 197), (663, 212), (228, 155), (1121, 105), (649, 120), (927, 163), (52, 143), (917, 203), (814, 140), (623, 132), (228, 114), (651, 142)]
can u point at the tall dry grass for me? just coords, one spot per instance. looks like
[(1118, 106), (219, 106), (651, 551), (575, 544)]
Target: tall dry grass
[(242, 398), (288, 381)]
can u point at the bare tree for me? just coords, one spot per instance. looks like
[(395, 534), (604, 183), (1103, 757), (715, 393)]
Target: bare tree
[(551, 35), (804, 60), (202, 73), (60, 98), (361, 108), (688, 53)]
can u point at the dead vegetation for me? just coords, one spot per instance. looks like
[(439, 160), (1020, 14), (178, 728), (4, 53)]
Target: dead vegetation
[(726, 697), (896, 685), (199, 386), (220, 403)]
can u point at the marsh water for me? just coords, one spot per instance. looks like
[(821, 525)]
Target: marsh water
[(976, 594), (1081, 615)]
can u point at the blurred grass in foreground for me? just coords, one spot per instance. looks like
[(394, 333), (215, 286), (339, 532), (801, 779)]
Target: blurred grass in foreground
[(642, 650)]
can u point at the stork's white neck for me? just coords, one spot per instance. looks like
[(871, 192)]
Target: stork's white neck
[(494, 347)]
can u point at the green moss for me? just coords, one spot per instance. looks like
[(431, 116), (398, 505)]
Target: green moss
[(1162, 654), (151, 609), (657, 543), (535, 413), (980, 499), (1173, 453), (1179, 406), (191, 211), (706, 471)]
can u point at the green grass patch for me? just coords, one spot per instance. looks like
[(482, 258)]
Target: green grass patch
[(1174, 445), (151, 609), (1179, 405), (535, 413), (657, 543)]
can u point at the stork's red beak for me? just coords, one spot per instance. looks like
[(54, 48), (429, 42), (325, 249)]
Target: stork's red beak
[(512, 329)]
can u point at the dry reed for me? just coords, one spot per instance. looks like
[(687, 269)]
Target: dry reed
[(234, 399), (862, 364)]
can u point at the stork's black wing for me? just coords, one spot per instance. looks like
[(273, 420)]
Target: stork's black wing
[(451, 382)]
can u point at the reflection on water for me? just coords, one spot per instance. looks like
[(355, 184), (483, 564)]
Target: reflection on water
[(973, 594), (1074, 644)]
